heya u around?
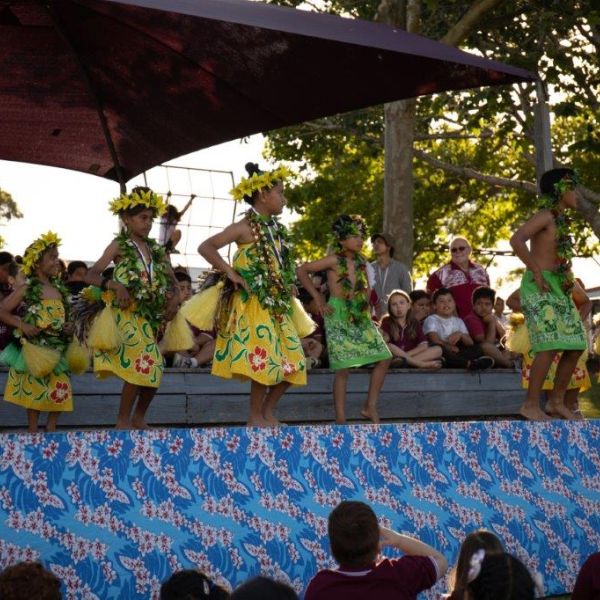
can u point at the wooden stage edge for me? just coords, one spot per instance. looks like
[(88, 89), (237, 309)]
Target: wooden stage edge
[(193, 397)]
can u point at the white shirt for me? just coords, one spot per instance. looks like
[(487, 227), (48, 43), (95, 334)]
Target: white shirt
[(444, 326)]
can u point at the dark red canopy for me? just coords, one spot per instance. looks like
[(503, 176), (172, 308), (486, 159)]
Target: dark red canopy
[(114, 88)]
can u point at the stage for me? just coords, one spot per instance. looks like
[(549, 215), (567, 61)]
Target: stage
[(114, 513)]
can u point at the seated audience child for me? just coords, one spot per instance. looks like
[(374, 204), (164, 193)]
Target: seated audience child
[(405, 337), (76, 272), (356, 538), (499, 306), (587, 585), (447, 330), (485, 329), (263, 588), (474, 542), (190, 584), (29, 581), (314, 344), (421, 304), (493, 576)]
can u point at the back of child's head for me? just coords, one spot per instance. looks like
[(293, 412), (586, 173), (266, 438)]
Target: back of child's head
[(190, 584), (263, 588), (353, 534), (440, 292), (74, 265), (483, 292), (502, 577), (30, 581), (473, 543)]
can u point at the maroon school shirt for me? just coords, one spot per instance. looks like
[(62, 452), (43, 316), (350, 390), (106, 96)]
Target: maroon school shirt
[(391, 579), (404, 342), (587, 586)]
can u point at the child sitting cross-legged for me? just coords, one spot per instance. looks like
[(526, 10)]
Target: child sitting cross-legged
[(405, 336), (447, 330), (356, 539)]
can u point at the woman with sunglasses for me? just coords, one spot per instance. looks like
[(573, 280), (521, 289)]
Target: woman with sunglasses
[(461, 276)]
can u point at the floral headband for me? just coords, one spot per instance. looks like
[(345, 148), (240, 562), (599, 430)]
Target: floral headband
[(138, 197), (569, 182), (36, 250), (349, 225), (257, 181)]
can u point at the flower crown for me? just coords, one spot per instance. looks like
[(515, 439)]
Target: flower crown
[(257, 181), (35, 251), (348, 225), (569, 182), (138, 197)]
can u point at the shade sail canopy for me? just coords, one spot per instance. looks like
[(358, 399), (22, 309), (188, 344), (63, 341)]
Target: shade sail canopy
[(114, 88)]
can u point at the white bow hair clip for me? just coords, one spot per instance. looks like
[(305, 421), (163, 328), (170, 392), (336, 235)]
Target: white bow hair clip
[(475, 564)]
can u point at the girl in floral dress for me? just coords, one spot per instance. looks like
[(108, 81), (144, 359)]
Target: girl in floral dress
[(143, 295), (258, 337), (38, 378)]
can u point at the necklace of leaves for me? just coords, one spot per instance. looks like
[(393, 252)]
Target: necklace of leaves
[(564, 241), (355, 295), (53, 335), (150, 296), (271, 271)]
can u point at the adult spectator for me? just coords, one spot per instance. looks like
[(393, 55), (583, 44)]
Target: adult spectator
[(587, 585), (389, 274), (461, 276), (76, 272), (263, 588), (29, 581), (189, 584)]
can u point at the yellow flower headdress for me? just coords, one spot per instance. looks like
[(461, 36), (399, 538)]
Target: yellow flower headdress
[(139, 196), (248, 185), (35, 251)]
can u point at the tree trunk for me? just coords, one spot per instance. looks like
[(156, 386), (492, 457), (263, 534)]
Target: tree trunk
[(399, 134)]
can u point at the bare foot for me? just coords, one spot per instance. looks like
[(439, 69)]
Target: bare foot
[(433, 364), (534, 413), (140, 425), (122, 425), (340, 420), (557, 408), (259, 421), (371, 414)]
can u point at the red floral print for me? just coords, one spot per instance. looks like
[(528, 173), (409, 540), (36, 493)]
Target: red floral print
[(144, 363), (258, 359), (60, 392)]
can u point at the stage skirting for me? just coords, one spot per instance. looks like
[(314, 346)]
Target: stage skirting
[(114, 513)]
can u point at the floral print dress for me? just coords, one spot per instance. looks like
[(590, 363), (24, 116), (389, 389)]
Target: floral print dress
[(253, 344), (52, 393), (137, 360)]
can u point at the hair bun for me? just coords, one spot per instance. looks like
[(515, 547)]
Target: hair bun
[(252, 168)]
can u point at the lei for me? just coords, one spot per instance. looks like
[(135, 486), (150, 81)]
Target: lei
[(564, 240), (53, 335), (271, 271), (150, 296), (355, 295)]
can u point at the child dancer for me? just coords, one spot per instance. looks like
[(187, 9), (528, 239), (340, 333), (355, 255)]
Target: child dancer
[(405, 336), (353, 339), (143, 294), (38, 377), (258, 332)]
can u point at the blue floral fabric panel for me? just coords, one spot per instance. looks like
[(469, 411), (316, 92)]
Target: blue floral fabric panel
[(113, 513)]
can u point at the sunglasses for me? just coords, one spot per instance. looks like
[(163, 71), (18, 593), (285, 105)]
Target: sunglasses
[(458, 249)]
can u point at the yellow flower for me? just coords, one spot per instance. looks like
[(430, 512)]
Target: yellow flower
[(248, 185), (149, 199), (34, 252)]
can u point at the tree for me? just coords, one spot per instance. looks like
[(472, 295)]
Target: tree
[(469, 147), (8, 209)]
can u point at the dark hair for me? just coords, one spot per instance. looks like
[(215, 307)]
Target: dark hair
[(6, 258), (251, 169), (353, 534), (417, 295), (502, 577), (74, 265), (181, 276), (190, 584), (136, 210), (474, 541), (29, 580), (172, 214), (264, 588), (483, 292), (440, 292), (550, 178), (108, 272), (386, 241), (411, 323)]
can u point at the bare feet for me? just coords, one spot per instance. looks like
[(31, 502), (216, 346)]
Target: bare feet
[(370, 413), (258, 421), (556, 407), (533, 413), (122, 425), (135, 424)]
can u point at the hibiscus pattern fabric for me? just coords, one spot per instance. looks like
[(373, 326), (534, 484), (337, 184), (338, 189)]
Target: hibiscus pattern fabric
[(114, 513)]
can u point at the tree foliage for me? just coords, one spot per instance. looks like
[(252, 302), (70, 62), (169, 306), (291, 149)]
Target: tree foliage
[(474, 161)]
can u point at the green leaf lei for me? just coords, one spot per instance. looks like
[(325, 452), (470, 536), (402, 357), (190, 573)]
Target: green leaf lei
[(268, 277), (150, 297), (355, 295), (564, 240), (54, 335)]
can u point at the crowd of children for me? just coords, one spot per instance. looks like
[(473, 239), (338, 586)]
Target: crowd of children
[(248, 322), (483, 570)]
